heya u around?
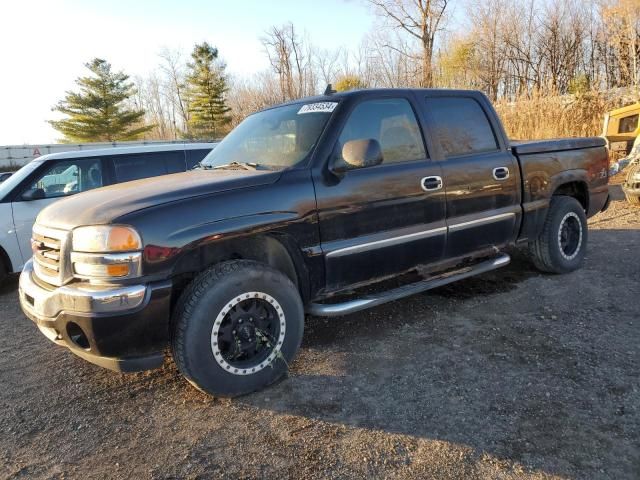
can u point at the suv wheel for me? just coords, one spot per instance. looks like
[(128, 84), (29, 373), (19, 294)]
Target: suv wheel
[(3, 272), (562, 244), (236, 328)]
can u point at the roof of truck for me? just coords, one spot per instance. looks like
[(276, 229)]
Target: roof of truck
[(362, 92), (167, 147)]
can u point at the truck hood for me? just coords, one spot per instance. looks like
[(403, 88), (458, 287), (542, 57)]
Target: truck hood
[(103, 205)]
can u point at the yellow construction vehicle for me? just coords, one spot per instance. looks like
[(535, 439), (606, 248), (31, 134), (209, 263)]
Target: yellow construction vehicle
[(621, 127), (622, 131)]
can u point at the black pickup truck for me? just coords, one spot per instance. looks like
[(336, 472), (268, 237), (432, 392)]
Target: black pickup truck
[(296, 210)]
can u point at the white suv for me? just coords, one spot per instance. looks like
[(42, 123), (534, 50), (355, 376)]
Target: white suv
[(51, 177)]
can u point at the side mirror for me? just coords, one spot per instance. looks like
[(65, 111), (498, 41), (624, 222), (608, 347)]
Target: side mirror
[(33, 194), (359, 153)]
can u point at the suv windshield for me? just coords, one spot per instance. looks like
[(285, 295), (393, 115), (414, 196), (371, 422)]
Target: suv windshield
[(277, 138)]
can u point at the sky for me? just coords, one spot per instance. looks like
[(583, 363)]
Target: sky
[(44, 44)]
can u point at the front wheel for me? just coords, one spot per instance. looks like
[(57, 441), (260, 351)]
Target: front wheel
[(236, 328), (562, 244)]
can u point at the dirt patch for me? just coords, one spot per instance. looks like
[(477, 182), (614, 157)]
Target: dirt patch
[(513, 374)]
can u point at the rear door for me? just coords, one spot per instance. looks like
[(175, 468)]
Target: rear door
[(480, 175), (379, 220)]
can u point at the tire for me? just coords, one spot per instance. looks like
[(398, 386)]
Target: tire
[(548, 251), (633, 200), (3, 272), (215, 334)]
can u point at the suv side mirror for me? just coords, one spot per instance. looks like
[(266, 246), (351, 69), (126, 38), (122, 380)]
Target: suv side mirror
[(33, 194), (360, 153)]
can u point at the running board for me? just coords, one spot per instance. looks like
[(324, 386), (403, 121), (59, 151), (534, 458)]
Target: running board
[(368, 301)]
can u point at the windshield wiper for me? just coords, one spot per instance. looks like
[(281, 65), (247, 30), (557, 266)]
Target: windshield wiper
[(234, 165)]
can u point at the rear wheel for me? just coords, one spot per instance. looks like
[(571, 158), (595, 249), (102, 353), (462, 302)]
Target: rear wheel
[(561, 246), (236, 328)]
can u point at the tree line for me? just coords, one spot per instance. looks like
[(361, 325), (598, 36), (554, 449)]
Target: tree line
[(513, 51), (109, 106)]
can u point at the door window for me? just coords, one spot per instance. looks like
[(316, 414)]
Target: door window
[(194, 156), (69, 177), (135, 167), (392, 123), (461, 126)]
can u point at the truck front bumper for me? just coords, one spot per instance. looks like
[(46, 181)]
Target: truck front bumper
[(122, 328)]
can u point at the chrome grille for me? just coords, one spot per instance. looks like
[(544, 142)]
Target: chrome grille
[(48, 246)]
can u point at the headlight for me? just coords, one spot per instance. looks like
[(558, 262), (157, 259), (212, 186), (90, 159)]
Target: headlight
[(106, 252), (106, 238)]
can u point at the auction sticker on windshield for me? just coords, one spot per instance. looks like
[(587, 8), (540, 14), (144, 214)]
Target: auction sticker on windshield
[(318, 107)]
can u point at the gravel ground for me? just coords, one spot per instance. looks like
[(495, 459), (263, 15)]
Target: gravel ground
[(513, 374)]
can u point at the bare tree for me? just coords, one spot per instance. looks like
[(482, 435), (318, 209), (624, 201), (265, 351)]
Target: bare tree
[(173, 68), (327, 62), (420, 19), (289, 60)]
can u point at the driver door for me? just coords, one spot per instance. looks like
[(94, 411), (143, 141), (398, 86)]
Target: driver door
[(58, 180), (378, 221)]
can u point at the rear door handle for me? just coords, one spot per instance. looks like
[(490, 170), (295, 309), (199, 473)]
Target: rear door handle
[(429, 184), (501, 173)]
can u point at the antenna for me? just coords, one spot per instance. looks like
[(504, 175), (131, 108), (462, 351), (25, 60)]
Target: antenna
[(329, 90)]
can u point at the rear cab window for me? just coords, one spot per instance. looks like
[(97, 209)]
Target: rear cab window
[(461, 126)]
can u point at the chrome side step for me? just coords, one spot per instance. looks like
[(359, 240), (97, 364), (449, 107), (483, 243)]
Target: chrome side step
[(368, 301)]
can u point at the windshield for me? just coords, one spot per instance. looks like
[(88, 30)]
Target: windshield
[(10, 183), (277, 138)]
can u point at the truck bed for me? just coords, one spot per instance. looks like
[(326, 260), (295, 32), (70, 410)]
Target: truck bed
[(555, 145)]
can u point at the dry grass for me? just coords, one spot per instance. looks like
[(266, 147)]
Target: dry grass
[(551, 116)]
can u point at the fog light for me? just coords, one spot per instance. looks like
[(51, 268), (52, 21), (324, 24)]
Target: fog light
[(77, 336), (95, 270)]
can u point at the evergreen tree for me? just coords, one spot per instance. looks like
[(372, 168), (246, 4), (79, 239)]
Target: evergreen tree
[(99, 111), (207, 85)]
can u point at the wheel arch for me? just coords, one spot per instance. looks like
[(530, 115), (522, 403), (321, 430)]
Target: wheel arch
[(276, 250), (575, 188)]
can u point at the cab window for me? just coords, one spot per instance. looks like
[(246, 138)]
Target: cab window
[(392, 123), (628, 124)]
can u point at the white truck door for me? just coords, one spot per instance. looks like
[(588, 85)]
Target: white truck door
[(63, 178)]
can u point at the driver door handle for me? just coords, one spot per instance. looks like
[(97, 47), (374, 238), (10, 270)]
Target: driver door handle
[(430, 184), (501, 173)]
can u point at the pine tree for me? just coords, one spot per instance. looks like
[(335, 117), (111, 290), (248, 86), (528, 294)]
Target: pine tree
[(207, 85), (99, 111)]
